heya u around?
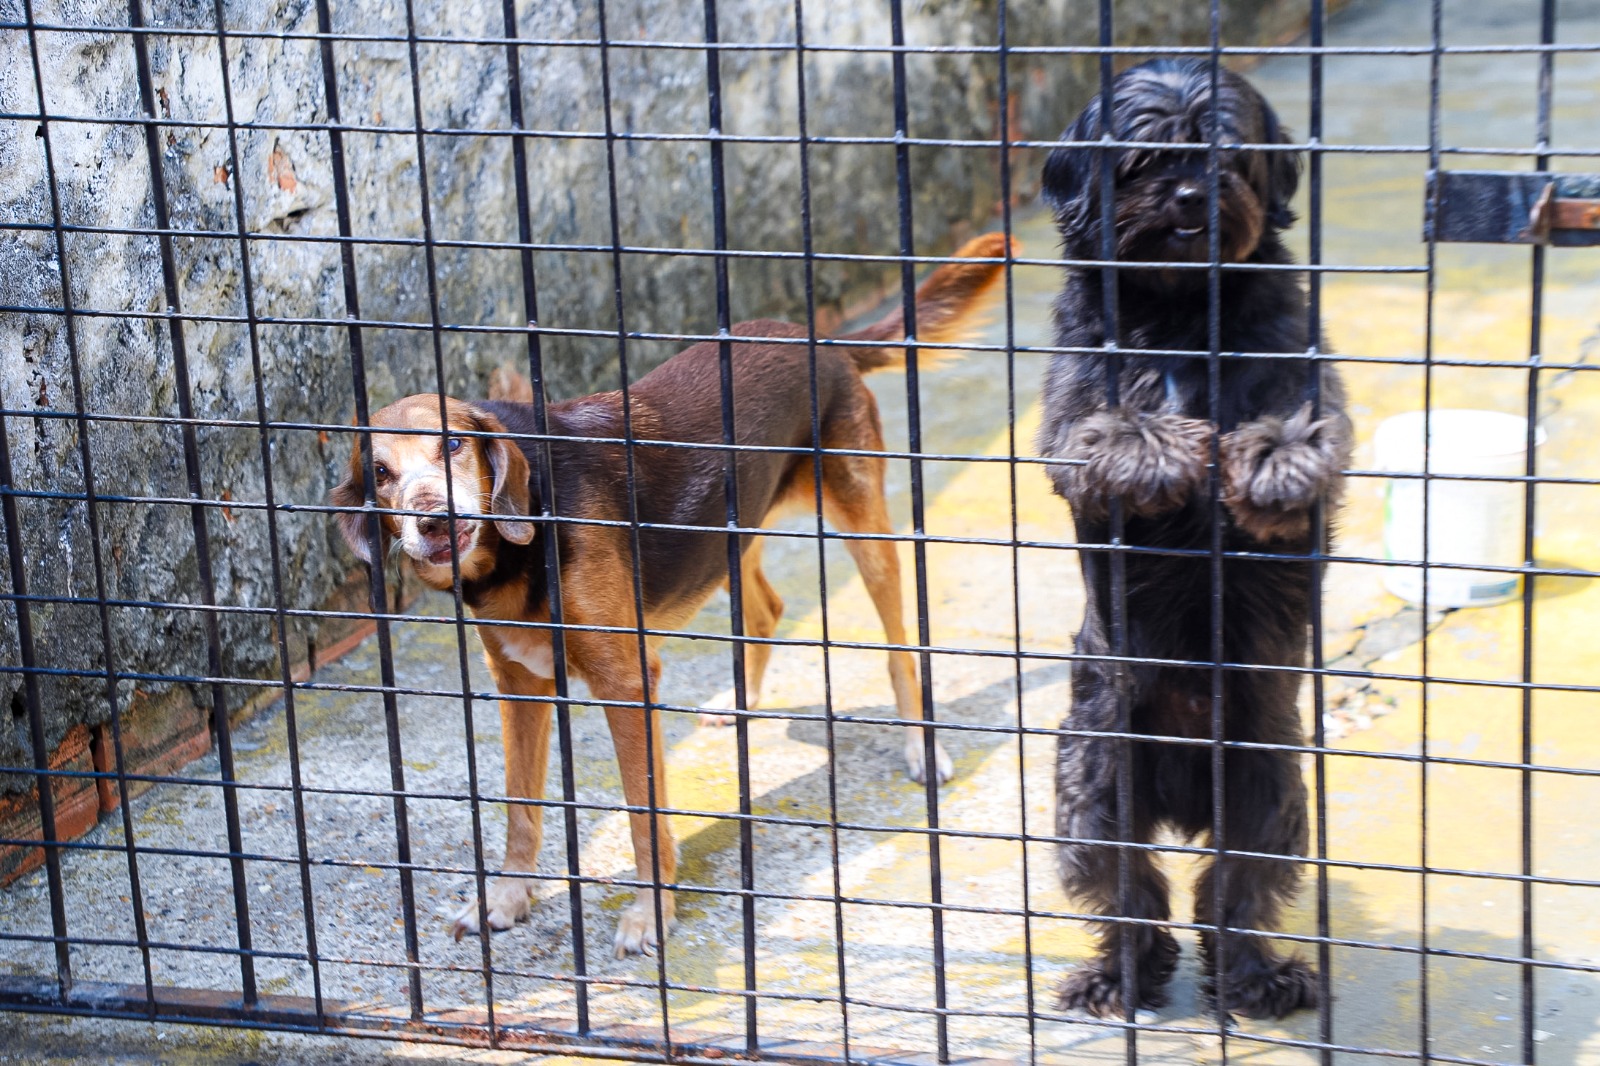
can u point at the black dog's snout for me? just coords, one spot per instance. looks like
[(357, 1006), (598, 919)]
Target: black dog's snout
[(436, 524), (1189, 197)]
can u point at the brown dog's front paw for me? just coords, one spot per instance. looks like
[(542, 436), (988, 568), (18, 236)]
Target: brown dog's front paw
[(1274, 470), (508, 903), (637, 931), (1152, 462)]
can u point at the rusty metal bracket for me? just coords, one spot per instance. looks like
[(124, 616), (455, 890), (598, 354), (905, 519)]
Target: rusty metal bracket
[(1513, 207)]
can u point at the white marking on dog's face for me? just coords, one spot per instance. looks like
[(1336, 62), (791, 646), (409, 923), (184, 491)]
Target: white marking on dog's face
[(410, 472), (423, 487)]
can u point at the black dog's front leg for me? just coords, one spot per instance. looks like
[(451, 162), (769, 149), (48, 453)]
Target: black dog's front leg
[(1151, 461), (1275, 469)]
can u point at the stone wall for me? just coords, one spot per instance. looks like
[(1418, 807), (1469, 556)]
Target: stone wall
[(664, 201)]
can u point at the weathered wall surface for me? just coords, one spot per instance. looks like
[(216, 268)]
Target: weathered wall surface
[(664, 202)]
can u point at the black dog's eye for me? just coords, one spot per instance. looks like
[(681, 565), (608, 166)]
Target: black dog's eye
[(454, 444)]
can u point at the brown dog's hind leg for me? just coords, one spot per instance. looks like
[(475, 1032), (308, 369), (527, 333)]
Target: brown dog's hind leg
[(642, 760), (852, 499), (763, 607), (525, 734)]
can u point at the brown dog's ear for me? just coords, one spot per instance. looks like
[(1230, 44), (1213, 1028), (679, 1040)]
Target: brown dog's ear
[(352, 525), (510, 497)]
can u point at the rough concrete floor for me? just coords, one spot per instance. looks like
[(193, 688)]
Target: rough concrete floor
[(1375, 805)]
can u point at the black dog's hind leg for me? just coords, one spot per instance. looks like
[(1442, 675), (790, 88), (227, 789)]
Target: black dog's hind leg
[(1086, 784), (1264, 813)]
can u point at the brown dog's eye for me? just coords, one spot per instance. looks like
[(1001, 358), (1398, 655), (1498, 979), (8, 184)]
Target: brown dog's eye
[(380, 471), (454, 444)]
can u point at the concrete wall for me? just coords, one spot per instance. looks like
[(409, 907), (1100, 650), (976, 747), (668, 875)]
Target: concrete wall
[(664, 201)]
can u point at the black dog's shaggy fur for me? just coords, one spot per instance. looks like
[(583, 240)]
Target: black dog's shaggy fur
[(1155, 452)]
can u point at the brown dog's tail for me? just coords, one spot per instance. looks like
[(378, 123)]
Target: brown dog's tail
[(949, 304), (508, 385)]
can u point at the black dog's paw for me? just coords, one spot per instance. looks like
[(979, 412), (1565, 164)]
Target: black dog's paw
[(1152, 462), (1274, 990), (1274, 470), (1095, 988)]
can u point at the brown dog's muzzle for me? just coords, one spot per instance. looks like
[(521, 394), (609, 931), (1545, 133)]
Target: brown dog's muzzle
[(432, 540), (426, 537), (488, 478)]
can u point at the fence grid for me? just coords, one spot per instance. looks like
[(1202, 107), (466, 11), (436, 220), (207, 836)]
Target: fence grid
[(588, 1024)]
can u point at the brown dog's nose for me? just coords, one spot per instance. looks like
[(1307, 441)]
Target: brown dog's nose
[(434, 525)]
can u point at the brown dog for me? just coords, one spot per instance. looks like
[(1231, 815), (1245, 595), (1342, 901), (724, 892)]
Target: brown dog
[(501, 556)]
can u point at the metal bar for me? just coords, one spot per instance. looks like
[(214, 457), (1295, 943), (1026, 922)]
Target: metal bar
[(197, 515), (1435, 118), (1575, 151), (1219, 522), (580, 43), (653, 773), (1444, 179), (1003, 118), (1546, 86), (808, 260), (1319, 542), (41, 753), (908, 290), (730, 482), (92, 513), (523, 1032), (1110, 357), (548, 507), (275, 557), (469, 730), (377, 591)]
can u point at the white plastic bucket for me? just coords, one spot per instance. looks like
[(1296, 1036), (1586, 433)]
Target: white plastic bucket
[(1474, 522)]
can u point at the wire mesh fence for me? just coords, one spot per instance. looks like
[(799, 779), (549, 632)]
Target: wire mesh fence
[(252, 784)]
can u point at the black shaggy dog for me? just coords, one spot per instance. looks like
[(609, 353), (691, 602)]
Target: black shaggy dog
[(1153, 452)]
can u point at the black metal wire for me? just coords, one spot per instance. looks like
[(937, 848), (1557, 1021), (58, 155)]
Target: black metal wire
[(653, 773), (469, 730), (730, 437), (377, 589), (908, 303), (1319, 541), (830, 719), (1529, 1038), (1105, 175), (220, 723), (1221, 933), (1003, 118), (1435, 115), (18, 571), (275, 555), (545, 475)]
